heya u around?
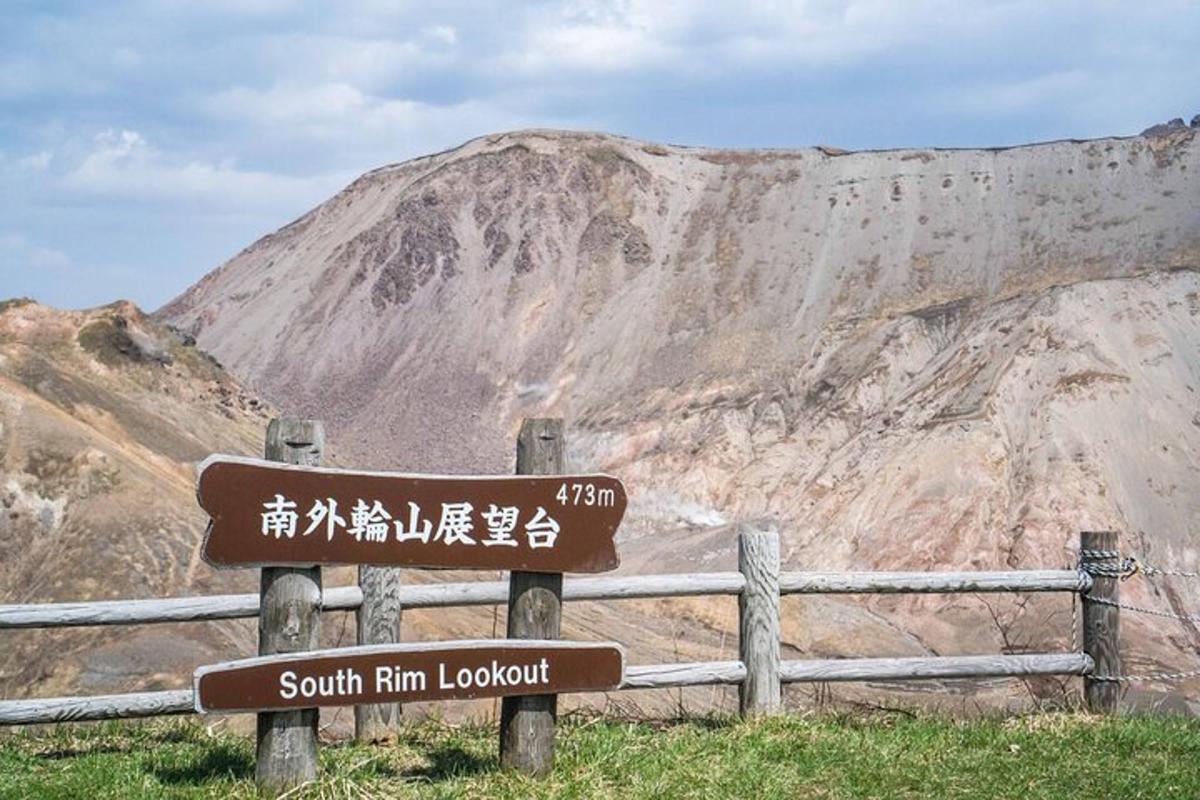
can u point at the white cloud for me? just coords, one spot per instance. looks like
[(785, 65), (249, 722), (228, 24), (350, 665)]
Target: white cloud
[(701, 37), (442, 34), (288, 105), (367, 62), (18, 253), (36, 161), (124, 164), (376, 129)]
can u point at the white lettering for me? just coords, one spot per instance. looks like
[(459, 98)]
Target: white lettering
[(383, 679), (494, 675), (288, 681), (343, 683)]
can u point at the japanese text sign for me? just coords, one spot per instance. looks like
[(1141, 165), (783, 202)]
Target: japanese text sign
[(266, 514)]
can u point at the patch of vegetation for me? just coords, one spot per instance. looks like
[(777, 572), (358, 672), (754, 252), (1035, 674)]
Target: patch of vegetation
[(826, 756), (15, 302), (54, 471), (190, 358), (108, 340)]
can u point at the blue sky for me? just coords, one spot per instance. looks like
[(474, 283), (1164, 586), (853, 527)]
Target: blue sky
[(143, 143)]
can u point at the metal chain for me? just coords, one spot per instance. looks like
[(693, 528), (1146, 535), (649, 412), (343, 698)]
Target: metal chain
[(1178, 573), (1125, 567), (1076, 645), (1142, 610), (1110, 564), (1148, 676), (1107, 564)]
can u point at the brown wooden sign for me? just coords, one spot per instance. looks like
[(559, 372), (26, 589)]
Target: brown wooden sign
[(405, 673), (269, 514)]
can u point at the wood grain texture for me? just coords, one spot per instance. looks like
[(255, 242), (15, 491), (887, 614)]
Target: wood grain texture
[(486, 593), (758, 621), (700, 673), (167, 609), (1038, 580), (378, 623), (899, 669), (80, 709), (290, 622), (1102, 629), (534, 612)]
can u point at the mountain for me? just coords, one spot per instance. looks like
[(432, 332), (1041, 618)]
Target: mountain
[(910, 359), (102, 416)]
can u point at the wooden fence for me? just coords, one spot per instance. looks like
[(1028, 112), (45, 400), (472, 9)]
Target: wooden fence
[(758, 672)]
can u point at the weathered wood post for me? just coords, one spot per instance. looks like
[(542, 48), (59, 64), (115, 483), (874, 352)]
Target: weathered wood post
[(378, 623), (534, 612), (289, 622), (758, 621), (1101, 621)]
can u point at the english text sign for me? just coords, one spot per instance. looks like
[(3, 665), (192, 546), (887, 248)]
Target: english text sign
[(405, 673), (268, 514)]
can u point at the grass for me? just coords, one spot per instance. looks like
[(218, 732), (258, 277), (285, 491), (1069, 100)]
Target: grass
[(826, 756)]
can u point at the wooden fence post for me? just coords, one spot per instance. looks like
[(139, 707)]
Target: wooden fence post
[(534, 612), (1101, 622), (290, 622), (758, 621), (378, 623)]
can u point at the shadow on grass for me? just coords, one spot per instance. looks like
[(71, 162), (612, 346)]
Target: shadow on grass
[(451, 761), (218, 762), (708, 722), (85, 750)]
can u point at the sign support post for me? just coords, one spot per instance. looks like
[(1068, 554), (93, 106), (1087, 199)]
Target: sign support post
[(289, 622), (378, 620), (534, 612)]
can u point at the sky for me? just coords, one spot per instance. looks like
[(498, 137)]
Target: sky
[(144, 143)]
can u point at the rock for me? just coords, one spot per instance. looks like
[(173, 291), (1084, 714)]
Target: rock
[(1165, 128)]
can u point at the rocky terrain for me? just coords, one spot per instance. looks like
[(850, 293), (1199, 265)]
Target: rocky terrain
[(102, 416), (910, 359)]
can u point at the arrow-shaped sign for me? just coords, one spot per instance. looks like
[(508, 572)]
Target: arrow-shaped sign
[(270, 514), (404, 673)]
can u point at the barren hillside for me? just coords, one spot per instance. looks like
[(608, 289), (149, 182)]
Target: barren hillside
[(102, 414), (911, 359)]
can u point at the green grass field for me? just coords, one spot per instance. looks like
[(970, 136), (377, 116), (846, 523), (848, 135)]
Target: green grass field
[(825, 756)]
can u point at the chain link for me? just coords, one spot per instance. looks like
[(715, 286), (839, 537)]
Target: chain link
[(1177, 573), (1142, 610), (1148, 676), (1110, 564), (1125, 567), (1107, 564)]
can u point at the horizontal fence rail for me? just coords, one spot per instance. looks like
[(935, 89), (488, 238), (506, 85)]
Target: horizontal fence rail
[(899, 669), (91, 709), (171, 609), (648, 676), (698, 673), (1040, 580), (484, 593)]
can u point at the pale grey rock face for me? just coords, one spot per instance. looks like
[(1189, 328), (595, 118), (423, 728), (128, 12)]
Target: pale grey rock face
[(913, 359)]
